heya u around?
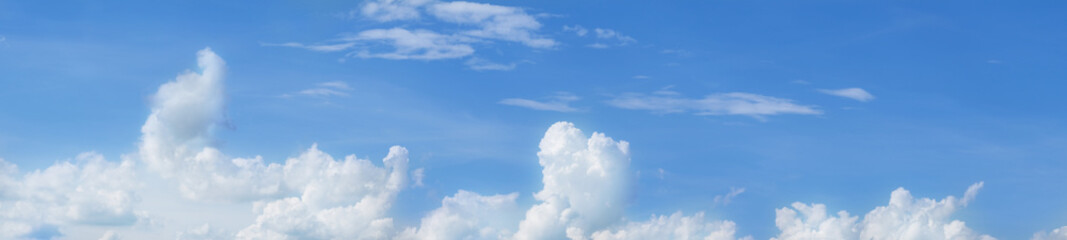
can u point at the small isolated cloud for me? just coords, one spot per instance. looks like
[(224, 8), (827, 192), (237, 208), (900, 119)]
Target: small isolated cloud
[(577, 29), (417, 176), (800, 81), (857, 94), (324, 89), (735, 103), (479, 64), (559, 103), (640, 77), (604, 38), (726, 198)]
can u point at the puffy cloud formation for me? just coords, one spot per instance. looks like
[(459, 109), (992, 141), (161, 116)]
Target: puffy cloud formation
[(468, 215), (585, 183), (904, 218), (857, 94), (88, 191), (735, 103), (317, 196), (1057, 234), (339, 199)]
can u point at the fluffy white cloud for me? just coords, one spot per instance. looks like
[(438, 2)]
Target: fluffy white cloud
[(559, 103), (1056, 234), (904, 218), (675, 226), (87, 191), (605, 38), (468, 215), (585, 181), (857, 94), (734, 103)]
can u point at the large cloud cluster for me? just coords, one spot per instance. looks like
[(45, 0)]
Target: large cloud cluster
[(316, 196), (904, 218)]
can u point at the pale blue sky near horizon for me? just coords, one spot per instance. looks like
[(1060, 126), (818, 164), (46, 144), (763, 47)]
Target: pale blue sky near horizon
[(963, 92)]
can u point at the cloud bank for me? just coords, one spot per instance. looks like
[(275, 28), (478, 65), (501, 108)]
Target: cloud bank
[(585, 177)]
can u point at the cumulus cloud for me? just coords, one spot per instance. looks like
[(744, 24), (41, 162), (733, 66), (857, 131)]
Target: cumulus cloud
[(585, 181), (857, 94), (316, 196), (1055, 234), (467, 215), (559, 103), (735, 103), (86, 191), (904, 218)]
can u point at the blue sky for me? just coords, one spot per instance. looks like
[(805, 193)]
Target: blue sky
[(829, 102)]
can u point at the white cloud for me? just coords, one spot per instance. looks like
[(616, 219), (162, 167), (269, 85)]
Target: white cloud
[(417, 45), (675, 226), (1055, 234), (468, 215), (585, 182), (559, 103), (577, 29), (904, 218), (605, 38), (857, 94), (325, 89), (482, 65), (392, 10), (474, 23), (734, 103), (417, 176), (726, 198), (604, 33), (87, 191), (495, 22)]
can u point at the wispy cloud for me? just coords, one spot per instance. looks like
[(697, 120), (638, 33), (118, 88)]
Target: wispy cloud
[(857, 94), (479, 64), (735, 103), (324, 89), (559, 103), (473, 24), (605, 38), (726, 198)]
